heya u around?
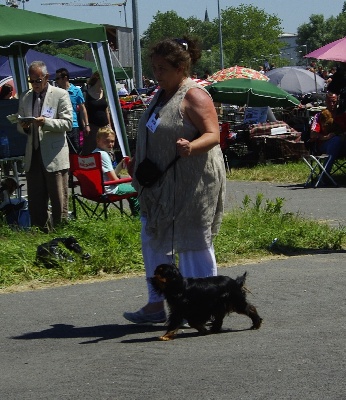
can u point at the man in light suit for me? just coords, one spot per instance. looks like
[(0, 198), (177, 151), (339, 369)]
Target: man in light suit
[(47, 154)]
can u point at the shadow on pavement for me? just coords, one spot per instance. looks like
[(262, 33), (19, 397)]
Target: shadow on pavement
[(100, 332), (109, 332), (302, 186), (183, 333), (301, 251)]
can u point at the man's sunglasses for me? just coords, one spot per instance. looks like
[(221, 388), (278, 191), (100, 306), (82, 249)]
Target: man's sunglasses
[(35, 81), (59, 77)]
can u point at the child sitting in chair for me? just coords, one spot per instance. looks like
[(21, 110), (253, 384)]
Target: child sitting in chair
[(105, 139)]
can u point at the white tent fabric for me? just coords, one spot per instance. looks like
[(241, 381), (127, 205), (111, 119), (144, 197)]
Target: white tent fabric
[(104, 64)]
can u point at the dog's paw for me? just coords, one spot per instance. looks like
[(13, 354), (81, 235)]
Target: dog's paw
[(170, 335), (165, 338), (257, 324)]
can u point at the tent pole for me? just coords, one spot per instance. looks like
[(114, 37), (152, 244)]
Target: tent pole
[(136, 46), (105, 67)]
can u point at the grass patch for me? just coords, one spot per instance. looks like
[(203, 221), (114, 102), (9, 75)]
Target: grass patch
[(247, 233), (260, 229), (288, 172), (114, 246)]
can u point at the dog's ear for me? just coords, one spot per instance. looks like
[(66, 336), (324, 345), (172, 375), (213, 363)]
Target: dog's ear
[(159, 269), (173, 271), (167, 272)]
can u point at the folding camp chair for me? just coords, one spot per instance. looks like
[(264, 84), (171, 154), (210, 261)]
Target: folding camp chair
[(86, 173), (316, 162), (317, 170), (339, 165)]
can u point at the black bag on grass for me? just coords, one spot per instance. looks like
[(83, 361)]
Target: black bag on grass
[(50, 253)]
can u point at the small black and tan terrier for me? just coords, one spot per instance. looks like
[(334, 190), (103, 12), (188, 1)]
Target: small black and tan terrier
[(199, 300)]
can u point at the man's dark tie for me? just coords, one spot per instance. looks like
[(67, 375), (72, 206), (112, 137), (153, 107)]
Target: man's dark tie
[(37, 113)]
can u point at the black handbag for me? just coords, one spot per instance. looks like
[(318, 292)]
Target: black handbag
[(147, 173)]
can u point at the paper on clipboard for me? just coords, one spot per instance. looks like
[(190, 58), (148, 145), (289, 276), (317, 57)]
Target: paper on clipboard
[(13, 118), (26, 119)]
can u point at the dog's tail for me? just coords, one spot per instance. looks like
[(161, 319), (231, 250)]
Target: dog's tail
[(241, 280), (241, 283)]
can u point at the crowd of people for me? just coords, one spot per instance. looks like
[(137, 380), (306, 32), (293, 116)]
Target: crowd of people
[(58, 121)]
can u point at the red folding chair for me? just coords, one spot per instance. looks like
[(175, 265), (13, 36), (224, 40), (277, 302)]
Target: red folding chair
[(86, 173)]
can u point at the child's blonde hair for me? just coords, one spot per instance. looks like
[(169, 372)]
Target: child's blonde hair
[(104, 132)]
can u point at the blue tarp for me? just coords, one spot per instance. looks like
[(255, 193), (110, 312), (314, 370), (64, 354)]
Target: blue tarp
[(53, 63)]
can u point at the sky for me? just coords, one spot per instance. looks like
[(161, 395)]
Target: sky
[(292, 12)]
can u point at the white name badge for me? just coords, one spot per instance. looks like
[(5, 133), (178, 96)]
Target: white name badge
[(48, 112), (153, 122)]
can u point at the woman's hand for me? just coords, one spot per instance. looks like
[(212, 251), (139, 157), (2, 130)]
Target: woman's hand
[(184, 147)]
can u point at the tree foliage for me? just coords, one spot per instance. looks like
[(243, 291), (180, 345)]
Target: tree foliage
[(69, 49), (168, 25), (248, 33), (319, 31), (314, 32)]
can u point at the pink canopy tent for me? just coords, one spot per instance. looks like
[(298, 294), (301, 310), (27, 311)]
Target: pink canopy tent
[(334, 51)]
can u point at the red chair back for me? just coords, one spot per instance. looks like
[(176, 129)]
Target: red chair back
[(88, 171), (224, 134)]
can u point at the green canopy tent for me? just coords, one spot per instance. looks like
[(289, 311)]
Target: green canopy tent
[(21, 30), (119, 73)]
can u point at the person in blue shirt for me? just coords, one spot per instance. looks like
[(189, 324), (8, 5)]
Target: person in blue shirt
[(77, 99), (105, 139)]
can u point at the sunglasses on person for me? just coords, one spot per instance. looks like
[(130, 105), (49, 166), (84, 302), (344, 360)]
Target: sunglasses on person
[(59, 77), (35, 80)]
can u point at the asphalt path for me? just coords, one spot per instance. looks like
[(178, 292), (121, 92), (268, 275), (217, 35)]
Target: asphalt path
[(325, 204), (71, 342)]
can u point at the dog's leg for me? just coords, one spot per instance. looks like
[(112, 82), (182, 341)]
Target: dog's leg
[(256, 319), (175, 320), (199, 327), (217, 322), (169, 335), (251, 312)]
